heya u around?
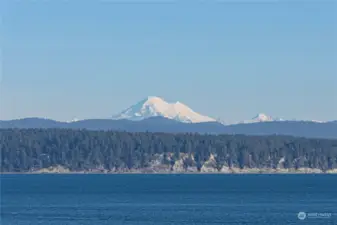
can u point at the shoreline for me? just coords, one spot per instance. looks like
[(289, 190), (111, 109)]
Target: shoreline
[(169, 173), (177, 169)]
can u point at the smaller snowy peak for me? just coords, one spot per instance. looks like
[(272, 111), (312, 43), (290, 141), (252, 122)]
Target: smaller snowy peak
[(317, 121), (153, 106), (261, 117), (312, 121), (73, 120)]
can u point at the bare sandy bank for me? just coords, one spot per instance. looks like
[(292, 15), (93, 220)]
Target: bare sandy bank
[(62, 170)]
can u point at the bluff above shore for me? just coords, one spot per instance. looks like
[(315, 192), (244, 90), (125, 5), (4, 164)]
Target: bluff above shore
[(82, 151)]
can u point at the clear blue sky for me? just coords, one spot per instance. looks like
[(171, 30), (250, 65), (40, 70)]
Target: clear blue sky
[(92, 59)]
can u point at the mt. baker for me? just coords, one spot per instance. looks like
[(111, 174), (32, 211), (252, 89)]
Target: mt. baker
[(154, 106)]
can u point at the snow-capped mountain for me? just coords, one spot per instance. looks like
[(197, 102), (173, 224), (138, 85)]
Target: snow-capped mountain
[(154, 106), (261, 117), (317, 121), (73, 120)]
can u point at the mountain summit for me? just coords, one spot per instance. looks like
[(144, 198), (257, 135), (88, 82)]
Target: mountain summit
[(153, 106)]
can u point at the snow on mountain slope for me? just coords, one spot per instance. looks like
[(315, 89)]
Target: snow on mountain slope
[(317, 121), (261, 117), (154, 106), (73, 120)]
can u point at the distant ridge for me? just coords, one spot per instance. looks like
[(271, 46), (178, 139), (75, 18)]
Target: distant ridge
[(306, 129), (154, 114)]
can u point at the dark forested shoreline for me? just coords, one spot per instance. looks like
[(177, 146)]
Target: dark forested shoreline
[(29, 150)]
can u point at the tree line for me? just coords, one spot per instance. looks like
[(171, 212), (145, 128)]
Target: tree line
[(24, 150)]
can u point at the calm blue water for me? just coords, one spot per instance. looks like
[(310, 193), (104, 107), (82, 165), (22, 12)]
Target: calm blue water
[(167, 199)]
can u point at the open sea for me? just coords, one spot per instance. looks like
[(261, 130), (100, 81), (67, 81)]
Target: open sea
[(192, 199)]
